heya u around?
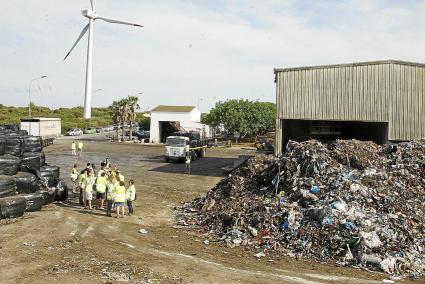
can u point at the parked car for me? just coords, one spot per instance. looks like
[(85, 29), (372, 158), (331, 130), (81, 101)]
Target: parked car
[(90, 130), (74, 132), (141, 134), (108, 128)]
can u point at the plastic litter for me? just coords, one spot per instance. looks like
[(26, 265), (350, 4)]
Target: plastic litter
[(352, 202)]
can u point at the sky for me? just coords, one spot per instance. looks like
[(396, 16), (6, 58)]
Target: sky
[(192, 52)]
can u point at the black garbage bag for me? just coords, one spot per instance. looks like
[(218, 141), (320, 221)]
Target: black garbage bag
[(12, 207), (13, 145), (34, 201), (62, 191), (48, 195), (26, 182), (2, 145), (33, 160), (9, 165), (32, 144), (53, 171), (7, 186)]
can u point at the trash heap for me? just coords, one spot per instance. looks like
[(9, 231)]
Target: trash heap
[(26, 182), (352, 202)]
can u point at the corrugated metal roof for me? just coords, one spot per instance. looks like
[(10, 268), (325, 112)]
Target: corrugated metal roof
[(276, 70), (164, 108)]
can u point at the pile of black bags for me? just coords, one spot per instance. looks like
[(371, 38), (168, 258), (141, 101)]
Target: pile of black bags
[(26, 182)]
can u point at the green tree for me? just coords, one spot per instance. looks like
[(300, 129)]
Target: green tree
[(132, 107), (119, 115), (243, 116)]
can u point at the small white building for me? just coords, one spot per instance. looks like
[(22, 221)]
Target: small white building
[(167, 119)]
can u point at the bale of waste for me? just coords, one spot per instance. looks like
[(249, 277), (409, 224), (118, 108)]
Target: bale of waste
[(13, 145), (55, 170), (26, 182), (32, 144), (62, 191), (2, 145), (7, 186), (32, 160), (34, 201), (48, 196), (12, 207), (50, 174), (9, 165)]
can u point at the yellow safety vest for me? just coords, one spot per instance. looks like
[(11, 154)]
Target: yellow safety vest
[(111, 190), (89, 184), (120, 194), (101, 184), (82, 180)]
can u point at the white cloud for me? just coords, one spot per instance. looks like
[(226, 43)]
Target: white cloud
[(191, 49)]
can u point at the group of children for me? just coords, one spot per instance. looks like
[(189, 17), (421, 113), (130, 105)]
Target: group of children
[(108, 184), (74, 148)]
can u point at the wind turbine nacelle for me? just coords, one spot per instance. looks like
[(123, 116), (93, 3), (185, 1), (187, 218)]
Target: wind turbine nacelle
[(89, 14)]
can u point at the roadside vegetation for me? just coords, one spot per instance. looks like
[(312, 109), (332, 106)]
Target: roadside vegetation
[(71, 117), (245, 117)]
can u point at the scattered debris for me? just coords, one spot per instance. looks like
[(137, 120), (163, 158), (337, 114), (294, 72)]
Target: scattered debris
[(143, 231), (353, 202)]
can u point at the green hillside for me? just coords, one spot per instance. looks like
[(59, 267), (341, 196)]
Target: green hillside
[(71, 117)]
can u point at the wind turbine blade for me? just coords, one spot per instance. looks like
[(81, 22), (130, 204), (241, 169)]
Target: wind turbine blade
[(92, 4), (117, 22), (78, 39)]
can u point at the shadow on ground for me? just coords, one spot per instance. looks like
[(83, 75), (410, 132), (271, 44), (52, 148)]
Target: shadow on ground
[(208, 166)]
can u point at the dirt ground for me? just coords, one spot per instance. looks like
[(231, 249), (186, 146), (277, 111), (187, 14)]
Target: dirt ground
[(66, 244)]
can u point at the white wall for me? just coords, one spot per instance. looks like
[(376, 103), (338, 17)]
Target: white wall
[(188, 120)]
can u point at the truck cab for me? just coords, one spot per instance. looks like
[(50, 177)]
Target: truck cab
[(176, 148)]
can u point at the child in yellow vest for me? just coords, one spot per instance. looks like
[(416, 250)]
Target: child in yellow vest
[(110, 195), (101, 190), (120, 198), (131, 196)]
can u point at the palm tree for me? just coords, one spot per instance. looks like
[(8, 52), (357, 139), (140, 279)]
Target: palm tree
[(132, 106), (119, 113)]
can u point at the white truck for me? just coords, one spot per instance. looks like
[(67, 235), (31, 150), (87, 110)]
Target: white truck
[(47, 128), (183, 143)]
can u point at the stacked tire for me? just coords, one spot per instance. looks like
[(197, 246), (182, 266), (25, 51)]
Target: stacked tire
[(26, 182)]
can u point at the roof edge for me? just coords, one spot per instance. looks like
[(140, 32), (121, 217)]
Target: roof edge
[(172, 108), (390, 61)]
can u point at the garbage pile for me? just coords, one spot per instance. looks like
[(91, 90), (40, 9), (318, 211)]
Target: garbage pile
[(352, 202), (26, 182)]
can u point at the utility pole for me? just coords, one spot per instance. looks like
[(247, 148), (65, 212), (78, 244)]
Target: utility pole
[(29, 93)]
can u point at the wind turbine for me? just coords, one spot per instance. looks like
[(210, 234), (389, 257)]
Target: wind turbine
[(92, 16)]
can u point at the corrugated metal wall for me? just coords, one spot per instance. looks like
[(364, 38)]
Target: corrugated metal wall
[(386, 91), (407, 105)]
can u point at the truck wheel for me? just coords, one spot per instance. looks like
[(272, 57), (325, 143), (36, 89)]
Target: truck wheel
[(167, 159)]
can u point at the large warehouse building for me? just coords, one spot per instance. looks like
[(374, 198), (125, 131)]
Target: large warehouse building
[(377, 101)]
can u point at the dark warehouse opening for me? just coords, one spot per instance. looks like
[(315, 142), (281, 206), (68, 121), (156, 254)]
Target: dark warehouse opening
[(166, 128), (327, 130)]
